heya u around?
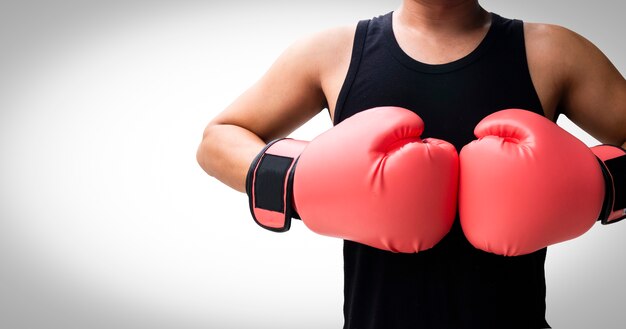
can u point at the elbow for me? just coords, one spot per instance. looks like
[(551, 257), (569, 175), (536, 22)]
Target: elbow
[(226, 151), (201, 159), (203, 153)]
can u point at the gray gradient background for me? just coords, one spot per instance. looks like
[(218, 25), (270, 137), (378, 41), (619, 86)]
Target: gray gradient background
[(106, 220)]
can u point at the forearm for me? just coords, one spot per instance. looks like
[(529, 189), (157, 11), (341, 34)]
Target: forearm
[(226, 152)]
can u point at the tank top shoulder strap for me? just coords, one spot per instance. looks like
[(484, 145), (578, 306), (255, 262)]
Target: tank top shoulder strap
[(514, 39), (355, 61)]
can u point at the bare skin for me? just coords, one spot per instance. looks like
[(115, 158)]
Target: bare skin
[(570, 74)]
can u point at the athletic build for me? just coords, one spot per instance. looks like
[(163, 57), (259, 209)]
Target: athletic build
[(569, 75)]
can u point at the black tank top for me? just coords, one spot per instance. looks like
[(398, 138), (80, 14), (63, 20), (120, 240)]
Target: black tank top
[(452, 285)]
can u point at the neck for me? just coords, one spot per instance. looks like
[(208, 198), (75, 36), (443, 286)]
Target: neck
[(441, 15)]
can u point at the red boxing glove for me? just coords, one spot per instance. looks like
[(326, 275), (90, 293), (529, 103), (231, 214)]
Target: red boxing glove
[(526, 183), (370, 179)]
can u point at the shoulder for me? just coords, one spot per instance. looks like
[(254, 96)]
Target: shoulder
[(591, 91), (552, 42), (558, 47), (317, 62), (558, 58), (322, 50), (544, 32)]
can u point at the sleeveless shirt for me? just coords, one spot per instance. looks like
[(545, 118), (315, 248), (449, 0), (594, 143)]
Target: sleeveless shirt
[(452, 285)]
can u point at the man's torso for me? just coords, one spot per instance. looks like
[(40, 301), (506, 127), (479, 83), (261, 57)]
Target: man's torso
[(453, 285)]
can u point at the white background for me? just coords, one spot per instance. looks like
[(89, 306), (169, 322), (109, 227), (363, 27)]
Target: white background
[(107, 221)]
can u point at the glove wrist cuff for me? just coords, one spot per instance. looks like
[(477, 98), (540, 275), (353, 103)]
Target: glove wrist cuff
[(269, 184), (613, 164)]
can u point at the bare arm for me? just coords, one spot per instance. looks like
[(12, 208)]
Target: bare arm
[(592, 92), (288, 95)]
